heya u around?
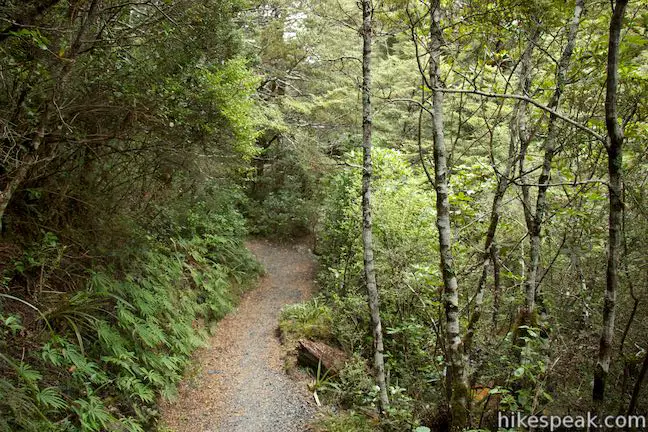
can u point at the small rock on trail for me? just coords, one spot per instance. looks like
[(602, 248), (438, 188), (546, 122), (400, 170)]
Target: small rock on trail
[(241, 385)]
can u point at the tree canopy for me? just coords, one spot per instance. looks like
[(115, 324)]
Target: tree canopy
[(477, 168)]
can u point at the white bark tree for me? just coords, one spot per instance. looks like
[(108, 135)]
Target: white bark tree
[(367, 240), (456, 377)]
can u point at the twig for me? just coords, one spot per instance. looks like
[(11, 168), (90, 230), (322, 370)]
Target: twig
[(533, 102)]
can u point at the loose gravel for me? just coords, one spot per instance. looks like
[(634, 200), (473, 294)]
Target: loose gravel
[(239, 383)]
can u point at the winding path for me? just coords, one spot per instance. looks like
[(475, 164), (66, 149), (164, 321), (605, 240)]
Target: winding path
[(238, 382)]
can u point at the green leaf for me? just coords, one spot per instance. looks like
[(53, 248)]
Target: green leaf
[(28, 374), (13, 323), (50, 397)]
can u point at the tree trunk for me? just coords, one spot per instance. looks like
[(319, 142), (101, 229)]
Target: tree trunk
[(489, 252), (535, 220), (637, 388), (519, 132), (19, 175), (456, 379), (615, 170), (496, 283), (370, 272)]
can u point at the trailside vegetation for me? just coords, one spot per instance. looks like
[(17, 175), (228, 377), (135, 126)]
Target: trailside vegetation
[(508, 164), (480, 167), (127, 130)]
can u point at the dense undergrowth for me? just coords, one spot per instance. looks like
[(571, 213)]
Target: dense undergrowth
[(282, 203), (141, 141), (100, 357), (127, 135), (405, 234), (515, 367)]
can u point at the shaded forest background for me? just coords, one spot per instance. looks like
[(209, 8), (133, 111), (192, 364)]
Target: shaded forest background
[(141, 142)]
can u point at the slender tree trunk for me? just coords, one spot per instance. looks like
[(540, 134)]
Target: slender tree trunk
[(637, 388), (626, 330), (615, 171), (519, 132), (489, 249), (490, 253), (370, 272), (536, 219), (457, 383), (496, 283), (19, 175)]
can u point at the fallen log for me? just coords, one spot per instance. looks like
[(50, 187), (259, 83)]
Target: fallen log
[(311, 354)]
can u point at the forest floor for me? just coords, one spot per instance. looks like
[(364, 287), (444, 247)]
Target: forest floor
[(238, 382)]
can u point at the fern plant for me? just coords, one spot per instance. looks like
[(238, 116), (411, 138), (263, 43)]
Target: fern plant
[(113, 347)]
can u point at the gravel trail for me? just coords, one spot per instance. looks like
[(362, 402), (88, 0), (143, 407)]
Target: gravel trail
[(238, 382)]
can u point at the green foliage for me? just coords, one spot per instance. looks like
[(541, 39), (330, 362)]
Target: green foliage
[(526, 386), (92, 413), (350, 421), (281, 202), (321, 380), (403, 215), (353, 387), (351, 321), (282, 214), (404, 247), (124, 340), (159, 124), (483, 45), (311, 320), (10, 324)]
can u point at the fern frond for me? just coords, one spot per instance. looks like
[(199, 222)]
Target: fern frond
[(92, 414), (28, 374), (153, 377), (136, 388), (50, 397), (131, 425), (111, 339), (126, 361)]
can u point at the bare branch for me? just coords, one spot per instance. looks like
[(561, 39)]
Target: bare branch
[(533, 102)]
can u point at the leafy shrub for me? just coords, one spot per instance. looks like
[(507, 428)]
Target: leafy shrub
[(127, 233), (405, 247), (351, 318), (282, 214), (282, 200), (353, 386), (105, 353), (350, 421), (311, 320)]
